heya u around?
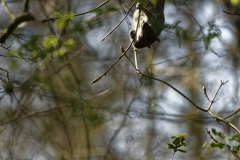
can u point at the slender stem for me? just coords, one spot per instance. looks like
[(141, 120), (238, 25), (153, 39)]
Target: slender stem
[(78, 14), (104, 74), (213, 100), (200, 27), (204, 110), (229, 147), (233, 13), (173, 155), (122, 50), (141, 74), (119, 22), (232, 113), (224, 121), (8, 10)]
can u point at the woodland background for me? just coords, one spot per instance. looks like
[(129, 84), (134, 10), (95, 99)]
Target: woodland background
[(50, 110)]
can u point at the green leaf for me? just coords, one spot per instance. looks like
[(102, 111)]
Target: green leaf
[(216, 145), (182, 135), (50, 42), (61, 23), (63, 20), (175, 25), (110, 9), (176, 141), (218, 134), (143, 2), (234, 137), (181, 150), (170, 146)]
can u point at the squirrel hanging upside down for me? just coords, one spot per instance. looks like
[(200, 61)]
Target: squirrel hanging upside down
[(146, 29)]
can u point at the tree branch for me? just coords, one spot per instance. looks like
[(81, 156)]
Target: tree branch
[(8, 10), (17, 21)]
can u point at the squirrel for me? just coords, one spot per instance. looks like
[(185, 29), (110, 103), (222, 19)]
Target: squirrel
[(146, 29)]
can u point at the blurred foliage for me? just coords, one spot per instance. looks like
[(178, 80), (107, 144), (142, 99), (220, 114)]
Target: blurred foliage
[(50, 109), (232, 142)]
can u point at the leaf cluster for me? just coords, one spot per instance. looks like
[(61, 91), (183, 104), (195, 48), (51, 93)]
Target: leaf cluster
[(219, 142), (177, 143)]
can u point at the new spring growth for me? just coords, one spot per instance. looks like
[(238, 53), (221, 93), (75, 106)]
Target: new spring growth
[(204, 91)]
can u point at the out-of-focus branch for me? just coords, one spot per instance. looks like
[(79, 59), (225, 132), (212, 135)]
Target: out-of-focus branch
[(213, 100), (200, 108), (26, 5), (16, 20), (7, 48), (233, 13), (78, 14), (119, 21), (8, 10), (104, 74), (200, 27), (229, 147), (232, 113)]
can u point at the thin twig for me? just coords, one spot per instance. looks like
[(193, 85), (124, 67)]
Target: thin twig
[(233, 13), (17, 21), (24, 58), (204, 110), (78, 14), (122, 50), (141, 74), (7, 48), (213, 99), (118, 130), (66, 63), (173, 155), (193, 17), (119, 22), (232, 113), (224, 121), (26, 5), (229, 147), (8, 79), (97, 79)]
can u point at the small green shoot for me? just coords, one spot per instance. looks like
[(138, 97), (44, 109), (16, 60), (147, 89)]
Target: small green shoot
[(177, 143)]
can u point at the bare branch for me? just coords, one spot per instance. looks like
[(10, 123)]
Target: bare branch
[(119, 22), (97, 79), (200, 27), (78, 14), (233, 13), (141, 74), (232, 113), (213, 99), (26, 5), (8, 10), (204, 110), (17, 21), (7, 48), (229, 147)]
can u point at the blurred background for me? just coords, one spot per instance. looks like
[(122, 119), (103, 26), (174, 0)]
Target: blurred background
[(50, 110)]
